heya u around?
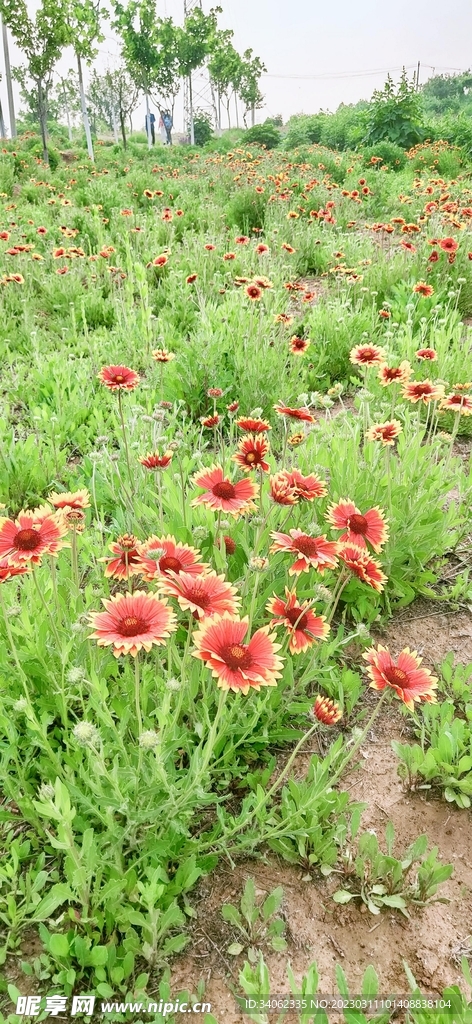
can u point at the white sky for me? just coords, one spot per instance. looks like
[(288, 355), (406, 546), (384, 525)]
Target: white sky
[(320, 54)]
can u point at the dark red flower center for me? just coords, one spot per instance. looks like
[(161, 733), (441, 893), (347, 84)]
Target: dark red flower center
[(392, 373), (366, 354), (253, 457), (295, 616), (396, 676), (27, 540), (237, 656), (199, 596), (307, 546), (358, 524), (224, 489), (170, 562), (132, 626), (422, 389)]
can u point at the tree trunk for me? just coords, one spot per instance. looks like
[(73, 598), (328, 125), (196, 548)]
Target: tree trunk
[(220, 130), (228, 113), (123, 131), (253, 115), (6, 57), (85, 117), (236, 105), (42, 121), (115, 127), (192, 126), (148, 122), (2, 123)]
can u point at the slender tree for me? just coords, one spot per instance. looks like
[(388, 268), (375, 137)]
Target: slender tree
[(41, 39), (249, 90), (151, 55), (113, 96), (83, 18), (195, 42), (225, 70)]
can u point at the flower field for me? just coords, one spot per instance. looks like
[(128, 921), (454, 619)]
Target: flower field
[(235, 581)]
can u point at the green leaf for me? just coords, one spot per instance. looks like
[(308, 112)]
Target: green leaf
[(59, 945), (343, 896), (235, 949), (59, 893), (370, 982)]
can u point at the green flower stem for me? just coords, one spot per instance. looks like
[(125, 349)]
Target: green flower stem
[(360, 740), (333, 779), (74, 559), (125, 439), (194, 784), (24, 680), (47, 610), (137, 695), (343, 580)]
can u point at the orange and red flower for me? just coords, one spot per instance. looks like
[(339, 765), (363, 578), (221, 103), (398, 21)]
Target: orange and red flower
[(360, 528), (457, 403), (362, 565), (253, 292), (326, 710), (253, 425), (384, 432), (427, 353), (7, 571), (223, 495), (153, 460), (312, 552), (295, 414), (367, 355), (251, 454), (70, 499), (160, 555), (410, 682), (421, 288), (306, 488), (282, 490), (31, 535), (392, 374), (238, 666), (204, 595), (161, 355), (125, 560), (298, 345), (422, 391), (301, 623), (448, 244), (118, 378), (133, 622)]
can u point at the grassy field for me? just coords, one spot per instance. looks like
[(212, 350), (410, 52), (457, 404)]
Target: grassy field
[(235, 419)]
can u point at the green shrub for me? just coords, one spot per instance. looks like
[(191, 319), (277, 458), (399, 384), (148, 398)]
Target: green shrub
[(392, 156), (263, 135)]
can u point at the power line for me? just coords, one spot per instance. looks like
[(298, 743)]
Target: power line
[(343, 74)]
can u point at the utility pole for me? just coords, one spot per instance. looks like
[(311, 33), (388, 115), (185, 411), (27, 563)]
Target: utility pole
[(6, 54), (418, 76)]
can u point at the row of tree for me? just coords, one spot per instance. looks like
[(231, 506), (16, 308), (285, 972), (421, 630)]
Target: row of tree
[(157, 56)]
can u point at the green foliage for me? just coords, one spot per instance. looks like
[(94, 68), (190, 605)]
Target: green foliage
[(257, 922), (382, 880), (443, 757), (203, 127), (387, 153), (265, 134), (395, 115)]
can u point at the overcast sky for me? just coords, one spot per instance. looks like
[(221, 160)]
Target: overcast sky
[(319, 55)]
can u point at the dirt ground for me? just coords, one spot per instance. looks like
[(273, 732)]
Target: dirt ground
[(435, 937)]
